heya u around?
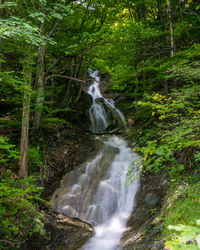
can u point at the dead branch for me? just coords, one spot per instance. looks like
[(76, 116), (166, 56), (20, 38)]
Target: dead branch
[(67, 77)]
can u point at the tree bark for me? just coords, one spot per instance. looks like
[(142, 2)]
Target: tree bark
[(173, 45), (23, 167), (40, 75), (1, 40), (171, 27), (165, 87)]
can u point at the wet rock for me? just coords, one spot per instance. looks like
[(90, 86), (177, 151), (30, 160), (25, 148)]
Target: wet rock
[(67, 149), (116, 95), (141, 227), (80, 113), (112, 115), (62, 232), (151, 199)]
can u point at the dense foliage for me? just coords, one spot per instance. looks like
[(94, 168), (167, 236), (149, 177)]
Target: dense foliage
[(19, 213), (149, 51)]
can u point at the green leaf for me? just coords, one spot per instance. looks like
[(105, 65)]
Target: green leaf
[(187, 236), (198, 240), (177, 228), (198, 222)]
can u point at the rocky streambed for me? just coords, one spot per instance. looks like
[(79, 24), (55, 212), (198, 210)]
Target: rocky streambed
[(144, 226), (68, 233), (68, 146)]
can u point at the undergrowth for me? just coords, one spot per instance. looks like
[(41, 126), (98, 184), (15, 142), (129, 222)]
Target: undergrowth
[(169, 140), (20, 215)]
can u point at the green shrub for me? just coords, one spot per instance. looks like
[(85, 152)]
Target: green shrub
[(34, 159), (8, 152), (173, 140), (19, 213), (186, 237)]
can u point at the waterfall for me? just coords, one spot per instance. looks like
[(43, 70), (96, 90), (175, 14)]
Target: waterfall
[(98, 116), (96, 191)]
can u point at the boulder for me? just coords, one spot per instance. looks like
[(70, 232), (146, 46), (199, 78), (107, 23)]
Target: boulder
[(62, 232)]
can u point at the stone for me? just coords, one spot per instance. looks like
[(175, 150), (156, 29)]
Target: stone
[(143, 225), (151, 199), (62, 232)]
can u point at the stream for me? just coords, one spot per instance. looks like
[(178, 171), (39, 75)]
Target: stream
[(96, 191)]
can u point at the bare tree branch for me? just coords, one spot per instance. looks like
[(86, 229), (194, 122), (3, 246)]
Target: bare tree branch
[(55, 25), (67, 77)]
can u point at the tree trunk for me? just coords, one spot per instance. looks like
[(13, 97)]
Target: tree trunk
[(23, 168), (68, 96), (81, 85), (78, 95), (40, 75), (165, 87), (171, 28), (1, 40)]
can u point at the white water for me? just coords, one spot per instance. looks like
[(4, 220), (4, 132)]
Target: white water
[(113, 200), (96, 191), (98, 116)]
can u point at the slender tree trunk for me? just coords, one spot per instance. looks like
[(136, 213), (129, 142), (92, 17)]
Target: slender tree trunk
[(165, 87), (68, 95), (40, 75), (171, 28), (173, 45), (81, 85), (23, 168), (78, 95), (1, 40), (161, 19)]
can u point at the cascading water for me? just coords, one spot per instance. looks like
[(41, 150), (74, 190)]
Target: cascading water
[(98, 116), (96, 191)]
